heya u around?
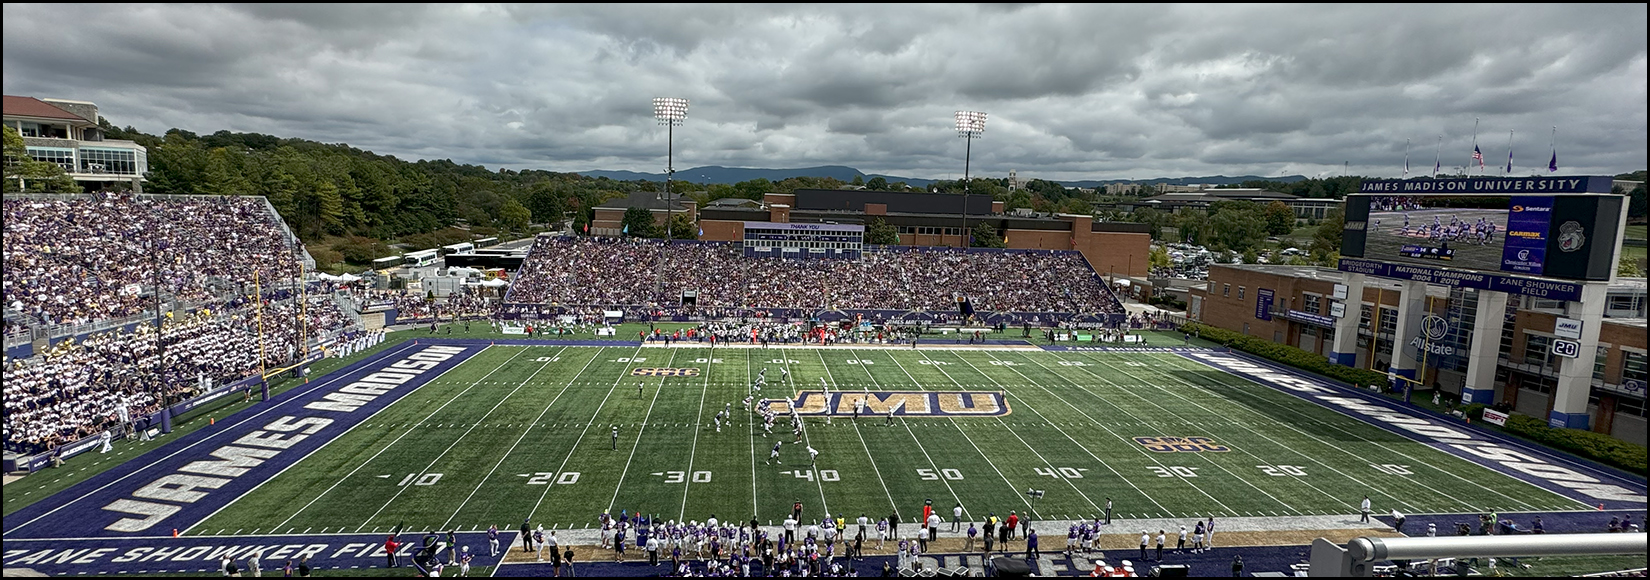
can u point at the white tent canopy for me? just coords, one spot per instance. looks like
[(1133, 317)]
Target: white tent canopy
[(494, 283)]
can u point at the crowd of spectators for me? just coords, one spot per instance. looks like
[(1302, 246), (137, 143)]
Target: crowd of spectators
[(80, 387), (80, 259), (584, 271)]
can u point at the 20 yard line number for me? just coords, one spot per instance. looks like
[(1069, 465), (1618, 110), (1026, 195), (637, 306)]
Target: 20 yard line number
[(545, 477)]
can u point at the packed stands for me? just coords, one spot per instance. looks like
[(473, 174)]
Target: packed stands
[(77, 388), (582, 271), (81, 258), (83, 267)]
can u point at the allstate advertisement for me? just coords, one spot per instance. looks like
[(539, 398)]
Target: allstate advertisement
[(1527, 221)]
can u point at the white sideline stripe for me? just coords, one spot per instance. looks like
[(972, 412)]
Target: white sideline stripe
[(523, 435), (382, 449), (466, 433), (318, 384), (1086, 449)]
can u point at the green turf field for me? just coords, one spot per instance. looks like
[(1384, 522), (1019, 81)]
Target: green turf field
[(525, 432)]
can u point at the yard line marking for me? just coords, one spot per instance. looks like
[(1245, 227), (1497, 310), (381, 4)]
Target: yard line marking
[(808, 442), (704, 390), (1015, 491), (1247, 385), (870, 458), (461, 437), (1080, 445), (752, 430), (1200, 455), (907, 426), (1262, 435), (638, 443), (386, 447), (523, 435), (586, 429)]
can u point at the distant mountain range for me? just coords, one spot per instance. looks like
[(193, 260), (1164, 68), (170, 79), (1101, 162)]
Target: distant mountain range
[(730, 175)]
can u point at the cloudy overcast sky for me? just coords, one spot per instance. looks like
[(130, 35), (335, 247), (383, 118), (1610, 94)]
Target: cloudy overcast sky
[(1073, 92)]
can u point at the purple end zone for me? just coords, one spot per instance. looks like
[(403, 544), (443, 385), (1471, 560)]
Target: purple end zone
[(187, 479), (1589, 484), (93, 556)]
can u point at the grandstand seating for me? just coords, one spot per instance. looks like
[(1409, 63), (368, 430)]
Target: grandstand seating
[(584, 272), (78, 261)]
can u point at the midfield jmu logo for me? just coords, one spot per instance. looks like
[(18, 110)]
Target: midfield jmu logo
[(902, 403)]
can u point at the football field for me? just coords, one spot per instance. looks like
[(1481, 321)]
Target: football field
[(526, 432)]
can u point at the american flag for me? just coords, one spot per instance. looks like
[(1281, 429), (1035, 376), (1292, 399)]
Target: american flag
[(1478, 155)]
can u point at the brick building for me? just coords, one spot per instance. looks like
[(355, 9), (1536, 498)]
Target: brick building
[(929, 219), (1293, 305)]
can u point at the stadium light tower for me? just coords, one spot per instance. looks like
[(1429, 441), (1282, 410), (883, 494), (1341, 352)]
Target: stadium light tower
[(669, 111), (970, 126)]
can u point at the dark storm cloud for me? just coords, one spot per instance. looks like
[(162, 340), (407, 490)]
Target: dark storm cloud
[(1073, 91)]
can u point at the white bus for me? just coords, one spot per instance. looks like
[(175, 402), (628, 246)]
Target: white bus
[(463, 248), (422, 258), (386, 263), (486, 242)]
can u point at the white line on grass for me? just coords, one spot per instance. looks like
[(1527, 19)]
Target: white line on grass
[(752, 428), (698, 425), (907, 426), (384, 448), (523, 435), (587, 424), (1014, 491), (620, 485), (1250, 384), (1238, 424), (1085, 448), (461, 437), (1205, 458)]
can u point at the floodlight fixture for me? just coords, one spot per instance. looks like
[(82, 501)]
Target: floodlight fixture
[(670, 111), (970, 126)]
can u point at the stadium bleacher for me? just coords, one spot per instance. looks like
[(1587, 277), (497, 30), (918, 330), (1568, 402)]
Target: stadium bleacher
[(83, 267), (585, 272)]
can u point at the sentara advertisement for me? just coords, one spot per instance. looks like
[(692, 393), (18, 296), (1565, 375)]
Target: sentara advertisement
[(1570, 237)]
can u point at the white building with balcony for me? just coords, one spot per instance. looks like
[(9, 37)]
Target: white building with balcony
[(67, 133)]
